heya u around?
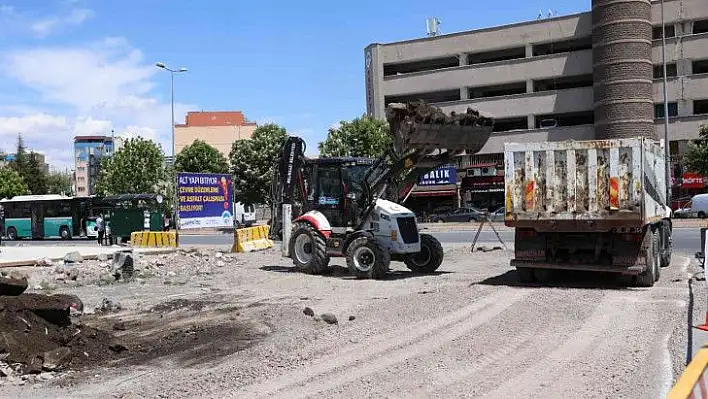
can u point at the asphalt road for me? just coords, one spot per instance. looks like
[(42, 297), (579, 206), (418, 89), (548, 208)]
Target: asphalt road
[(686, 240)]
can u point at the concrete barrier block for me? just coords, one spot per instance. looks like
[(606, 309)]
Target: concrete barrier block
[(153, 239), (251, 239)]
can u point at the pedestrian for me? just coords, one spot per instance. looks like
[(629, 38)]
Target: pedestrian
[(100, 228)]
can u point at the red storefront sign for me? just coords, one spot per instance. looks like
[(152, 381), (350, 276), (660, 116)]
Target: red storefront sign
[(689, 180)]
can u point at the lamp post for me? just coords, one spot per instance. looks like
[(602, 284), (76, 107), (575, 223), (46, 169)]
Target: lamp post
[(174, 155), (666, 108)]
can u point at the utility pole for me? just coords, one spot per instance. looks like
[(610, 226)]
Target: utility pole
[(175, 198)]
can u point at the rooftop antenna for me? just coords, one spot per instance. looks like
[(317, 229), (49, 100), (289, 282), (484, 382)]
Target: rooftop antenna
[(433, 25), (540, 15), (550, 13)]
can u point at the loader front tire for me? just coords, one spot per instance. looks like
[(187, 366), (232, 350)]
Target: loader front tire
[(429, 258), (308, 249), (366, 259)]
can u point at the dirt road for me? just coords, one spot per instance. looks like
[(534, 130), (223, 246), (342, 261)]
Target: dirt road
[(238, 330)]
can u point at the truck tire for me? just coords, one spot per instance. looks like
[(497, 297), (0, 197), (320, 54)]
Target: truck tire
[(649, 276), (429, 258), (308, 249), (12, 233), (366, 259), (666, 253)]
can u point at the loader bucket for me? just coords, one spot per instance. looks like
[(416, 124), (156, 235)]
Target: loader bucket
[(419, 126)]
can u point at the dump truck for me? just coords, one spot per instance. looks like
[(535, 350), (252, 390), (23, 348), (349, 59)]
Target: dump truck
[(597, 205)]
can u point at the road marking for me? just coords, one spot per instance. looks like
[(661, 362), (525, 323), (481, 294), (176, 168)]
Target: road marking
[(667, 369), (370, 356)]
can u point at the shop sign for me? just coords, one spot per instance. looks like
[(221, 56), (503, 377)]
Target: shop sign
[(689, 180), (439, 176), (483, 184)]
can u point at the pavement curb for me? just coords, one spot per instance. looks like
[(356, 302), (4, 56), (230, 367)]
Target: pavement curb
[(33, 262)]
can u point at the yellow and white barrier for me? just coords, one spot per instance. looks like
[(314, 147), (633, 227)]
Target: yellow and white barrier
[(251, 239), (153, 239), (693, 383)]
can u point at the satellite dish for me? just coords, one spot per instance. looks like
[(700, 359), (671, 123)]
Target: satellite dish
[(158, 198)]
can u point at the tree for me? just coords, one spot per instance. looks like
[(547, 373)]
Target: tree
[(34, 175), (696, 159), (59, 183), (19, 164), (362, 137), (252, 163), (136, 168), (11, 183), (200, 157)]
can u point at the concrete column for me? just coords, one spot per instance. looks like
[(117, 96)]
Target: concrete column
[(464, 94), (463, 59), (529, 51), (532, 121), (685, 108), (529, 86)]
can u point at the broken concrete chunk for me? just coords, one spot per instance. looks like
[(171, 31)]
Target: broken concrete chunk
[(329, 318), (102, 257), (44, 262), (123, 265), (73, 257), (56, 359), (308, 312)]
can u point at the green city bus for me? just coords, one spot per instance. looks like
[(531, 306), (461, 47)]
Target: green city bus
[(44, 216)]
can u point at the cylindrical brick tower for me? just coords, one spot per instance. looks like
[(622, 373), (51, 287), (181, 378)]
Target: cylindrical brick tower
[(622, 69)]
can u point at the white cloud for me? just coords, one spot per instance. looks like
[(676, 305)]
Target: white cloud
[(105, 85), (46, 26)]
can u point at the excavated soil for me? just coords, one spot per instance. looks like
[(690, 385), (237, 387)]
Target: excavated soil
[(32, 326)]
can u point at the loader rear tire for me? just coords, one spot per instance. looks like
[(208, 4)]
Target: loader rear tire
[(651, 274), (366, 259), (526, 275), (308, 249), (429, 258)]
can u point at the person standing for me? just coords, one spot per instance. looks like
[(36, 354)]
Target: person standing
[(100, 229)]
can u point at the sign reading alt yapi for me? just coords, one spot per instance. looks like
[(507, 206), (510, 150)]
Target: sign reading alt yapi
[(439, 176), (205, 200)]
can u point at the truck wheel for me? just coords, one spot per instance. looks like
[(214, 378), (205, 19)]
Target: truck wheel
[(366, 259), (526, 275), (666, 254), (429, 258), (649, 276), (64, 233), (308, 249)]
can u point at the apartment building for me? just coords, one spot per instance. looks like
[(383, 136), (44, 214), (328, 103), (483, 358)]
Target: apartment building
[(219, 129), (536, 79), (88, 151)]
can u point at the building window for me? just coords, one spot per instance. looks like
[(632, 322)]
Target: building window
[(700, 26), (700, 107), (670, 32), (699, 67), (671, 71), (81, 189), (430, 97), (569, 119), (565, 46), (402, 68), (659, 110)]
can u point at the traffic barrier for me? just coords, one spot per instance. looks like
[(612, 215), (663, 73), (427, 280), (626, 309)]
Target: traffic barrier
[(251, 239), (153, 239), (693, 383)]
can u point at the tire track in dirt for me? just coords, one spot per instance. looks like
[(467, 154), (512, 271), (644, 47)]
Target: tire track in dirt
[(384, 350), (615, 313)]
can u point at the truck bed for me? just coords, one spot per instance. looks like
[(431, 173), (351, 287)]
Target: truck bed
[(595, 185)]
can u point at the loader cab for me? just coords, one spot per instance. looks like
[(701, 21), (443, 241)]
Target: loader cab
[(334, 185)]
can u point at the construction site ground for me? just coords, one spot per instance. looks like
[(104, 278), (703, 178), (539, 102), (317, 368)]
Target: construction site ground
[(209, 324)]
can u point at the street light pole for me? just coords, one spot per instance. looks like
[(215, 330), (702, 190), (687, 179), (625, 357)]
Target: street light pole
[(666, 109), (175, 198)]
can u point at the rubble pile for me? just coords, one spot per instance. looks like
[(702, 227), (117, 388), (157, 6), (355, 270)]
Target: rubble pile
[(37, 333)]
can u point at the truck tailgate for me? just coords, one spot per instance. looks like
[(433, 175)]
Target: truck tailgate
[(599, 183)]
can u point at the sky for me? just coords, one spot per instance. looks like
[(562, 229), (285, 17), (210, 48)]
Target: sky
[(79, 67)]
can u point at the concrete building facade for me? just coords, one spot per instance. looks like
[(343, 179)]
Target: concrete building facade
[(88, 151), (536, 78), (219, 129)]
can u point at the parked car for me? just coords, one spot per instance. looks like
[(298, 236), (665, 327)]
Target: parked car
[(497, 216), (684, 213), (458, 215), (699, 205)]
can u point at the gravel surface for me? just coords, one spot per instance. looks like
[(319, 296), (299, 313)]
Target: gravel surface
[(207, 325)]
